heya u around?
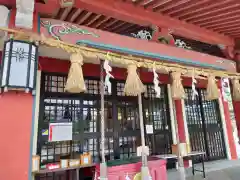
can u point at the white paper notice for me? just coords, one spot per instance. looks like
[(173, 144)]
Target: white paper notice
[(149, 129), (60, 132)]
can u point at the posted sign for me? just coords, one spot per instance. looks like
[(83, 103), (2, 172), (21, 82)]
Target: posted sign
[(60, 132)]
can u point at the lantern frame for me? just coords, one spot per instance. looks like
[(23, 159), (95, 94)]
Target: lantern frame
[(11, 54)]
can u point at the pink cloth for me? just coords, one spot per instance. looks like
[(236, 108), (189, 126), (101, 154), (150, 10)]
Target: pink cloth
[(157, 170)]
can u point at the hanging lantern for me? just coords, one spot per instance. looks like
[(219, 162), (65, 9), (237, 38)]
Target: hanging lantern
[(19, 66)]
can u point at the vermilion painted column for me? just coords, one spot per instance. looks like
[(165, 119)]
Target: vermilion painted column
[(229, 129), (180, 121), (16, 117), (236, 104), (181, 126), (236, 107), (15, 135), (16, 128)]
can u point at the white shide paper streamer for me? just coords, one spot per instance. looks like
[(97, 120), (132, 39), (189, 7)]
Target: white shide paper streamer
[(156, 83), (194, 91), (108, 69)]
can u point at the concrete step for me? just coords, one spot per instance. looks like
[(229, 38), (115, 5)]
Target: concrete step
[(213, 172)]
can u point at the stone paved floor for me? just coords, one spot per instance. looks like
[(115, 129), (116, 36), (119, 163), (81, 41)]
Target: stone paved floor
[(217, 170)]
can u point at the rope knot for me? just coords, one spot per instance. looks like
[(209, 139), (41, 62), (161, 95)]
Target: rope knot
[(132, 68), (76, 58)]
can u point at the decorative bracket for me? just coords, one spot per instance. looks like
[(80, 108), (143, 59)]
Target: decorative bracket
[(163, 35), (237, 60), (231, 53), (228, 51), (156, 33)]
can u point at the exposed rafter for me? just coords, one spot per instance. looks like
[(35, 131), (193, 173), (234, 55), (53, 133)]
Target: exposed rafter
[(214, 21), (148, 3), (237, 34), (111, 23), (74, 14), (159, 4), (201, 11), (179, 10), (132, 29), (81, 20), (113, 29), (123, 28), (130, 13), (99, 24), (218, 16), (65, 13), (225, 29), (204, 20), (195, 18), (231, 31), (222, 24), (174, 4), (93, 20)]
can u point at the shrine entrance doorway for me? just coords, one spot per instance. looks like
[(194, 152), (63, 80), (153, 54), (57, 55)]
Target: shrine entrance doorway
[(83, 110), (205, 125)]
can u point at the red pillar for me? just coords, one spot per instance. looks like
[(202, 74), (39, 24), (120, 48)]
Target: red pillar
[(236, 107), (229, 128), (16, 129), (180, 121), (236, 104), (180, 125), (15, 135)]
